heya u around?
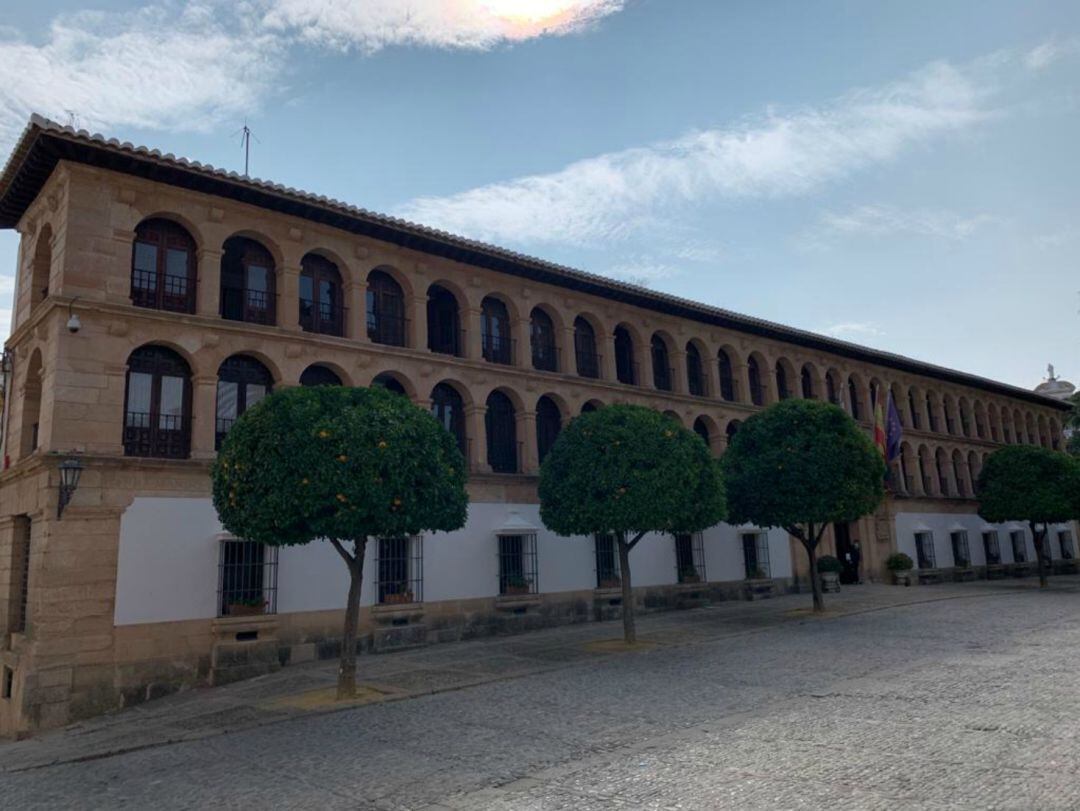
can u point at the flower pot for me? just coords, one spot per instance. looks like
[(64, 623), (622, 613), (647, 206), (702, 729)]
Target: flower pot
[(830, 581), (903, 577), (517, 590), (245, 610)]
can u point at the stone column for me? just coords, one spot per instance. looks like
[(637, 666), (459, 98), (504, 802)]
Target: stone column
[(418, 326), (528, 451), (356, 311), (471, 321), (208, 292), (741, 374), (204, 416), (522, 343), (288, 299), (476, 431), (679, 382), (605, 347)]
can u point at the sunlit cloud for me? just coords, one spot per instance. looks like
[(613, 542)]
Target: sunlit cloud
[(881, 220), (779, 154), (853, 329), (472, 24)]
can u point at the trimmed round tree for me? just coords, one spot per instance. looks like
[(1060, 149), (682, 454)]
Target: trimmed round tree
[(802, 465), (1031, 484), (625, 471), (341, 465)]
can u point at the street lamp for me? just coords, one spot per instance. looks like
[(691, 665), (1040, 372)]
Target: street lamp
[(70, 471)]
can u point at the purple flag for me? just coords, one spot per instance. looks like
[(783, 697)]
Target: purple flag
[(894, 431)]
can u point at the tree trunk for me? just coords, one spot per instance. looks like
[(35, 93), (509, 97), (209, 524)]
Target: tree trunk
[(815, 579), (1040, 538), (346, 686), (629, 631)]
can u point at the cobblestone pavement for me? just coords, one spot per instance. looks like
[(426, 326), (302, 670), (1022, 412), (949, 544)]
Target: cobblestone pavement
[(957, 696)]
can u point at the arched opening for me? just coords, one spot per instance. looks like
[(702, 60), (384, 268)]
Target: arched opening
[(906, 470), (449, 410), (591, 406), (248, 284), (806, 380), (661, 363), (948, 409), (444, 322), (322, 297), (941, 463), (385, 305), (966, 421), (913, 408), (588, 362), (701, 428), (545, 352), (974, 469), (931, 413), (753, 374), (731, 430), (495, 339), (832, 389), (854, 400), (783, 391), (390, 382), (41, 267), (727, 376), (1044, 434), (242, 382), (501, 424), (625, 366), (163, 267), (925, 482), (898, 403), (994, 419), (319, 375), (157, 405), (1006, 426), (960, 474), (548, 425), (695, 371), (31, 410)]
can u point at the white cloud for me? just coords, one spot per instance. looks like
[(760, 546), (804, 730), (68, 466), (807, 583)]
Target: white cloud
[(879, 220), (778, 155), (164, 66), (643, 271), (857, 329), (1047, 53), (372, 25)]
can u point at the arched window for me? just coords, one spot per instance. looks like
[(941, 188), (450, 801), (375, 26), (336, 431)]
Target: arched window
[(625, 371), (545, 355), (495, 337), (753, 373), (832, 391), (853, 398), (661, 364), (931, 414), (41, 269), (247, 282), (916, 421), (727, 375), (731, 430), (695, 372), (548, 425), (588, 362), (163, 267), (807, 381), (322, 299), (940, 464), (444, 322), (242, 382), (590, 407), (501, 424), (782, 390), (950, 422), (157, 408), (316, 375), (449, 410), (390, 383), (385, 304), (701, 428)]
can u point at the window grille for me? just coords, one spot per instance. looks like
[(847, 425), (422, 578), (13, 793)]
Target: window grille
[(496, 342), (444, 322), (608, 573), (625, 367), (247, 578), (696, 382), (960, 550), (247, 282), (542, 335), (662, 375), (1018, 546), (20, 569), (690, 557), (924, 550), (517, 564), (502, 442), (1065, 541), (163, 267), (548, 426), (157, 409), (727, 376), (322, 305), (756, 556), (242, 382), (588, 361), (991, 548), (400, 570)]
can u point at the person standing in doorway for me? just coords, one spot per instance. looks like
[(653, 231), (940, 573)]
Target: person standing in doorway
[(856, 561)]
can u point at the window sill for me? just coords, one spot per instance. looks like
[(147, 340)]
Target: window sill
[(697, 585), (391, 612), (226, 628), (512, 602)]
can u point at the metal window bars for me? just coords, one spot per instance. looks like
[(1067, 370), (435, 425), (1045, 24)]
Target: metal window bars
[(247, 578), (20, 565), (1019, 547), (1065, 541), (756, 556), (399, 570), (690, 557), (518, 571), (924, 550), (960, 549), (166, 291), (248, 305), (165, 436), (608, 571), (991, 548), (322, 317)]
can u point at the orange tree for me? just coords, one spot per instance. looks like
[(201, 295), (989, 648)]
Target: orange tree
[(340, 465), (802, 465), (1032, 484), (626, 471)]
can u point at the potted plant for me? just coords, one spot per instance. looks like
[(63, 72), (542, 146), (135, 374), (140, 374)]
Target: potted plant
[(516, 584), (689, 575), (610, 583), (757, 574), (829, 569), (248, 607), (900, 565), (400, 598)]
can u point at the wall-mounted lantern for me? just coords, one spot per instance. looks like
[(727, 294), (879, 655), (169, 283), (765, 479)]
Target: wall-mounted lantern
[(70, 471)]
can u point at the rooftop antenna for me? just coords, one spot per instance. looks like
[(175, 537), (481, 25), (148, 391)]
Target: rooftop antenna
[(246, 135)]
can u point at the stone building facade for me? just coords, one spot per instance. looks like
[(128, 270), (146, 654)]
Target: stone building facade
[(197, 291)]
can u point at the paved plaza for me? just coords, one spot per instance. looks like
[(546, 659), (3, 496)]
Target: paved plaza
[(951, 696)]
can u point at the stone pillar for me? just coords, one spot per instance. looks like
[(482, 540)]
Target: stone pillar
[(522, 343), (356, 312), (208, 291), (471, 322), (204, 417), (741, 374), (418, 326), (679, 382), (476, 431), (605, 347), (288, 299), (644, 360), (528, 451)]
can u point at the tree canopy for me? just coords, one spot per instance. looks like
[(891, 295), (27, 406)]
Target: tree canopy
[(1029, 483), (339, 464), (802, 465), (629, 469)]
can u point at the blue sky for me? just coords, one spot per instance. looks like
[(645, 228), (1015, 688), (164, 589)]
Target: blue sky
[(900, 174)]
